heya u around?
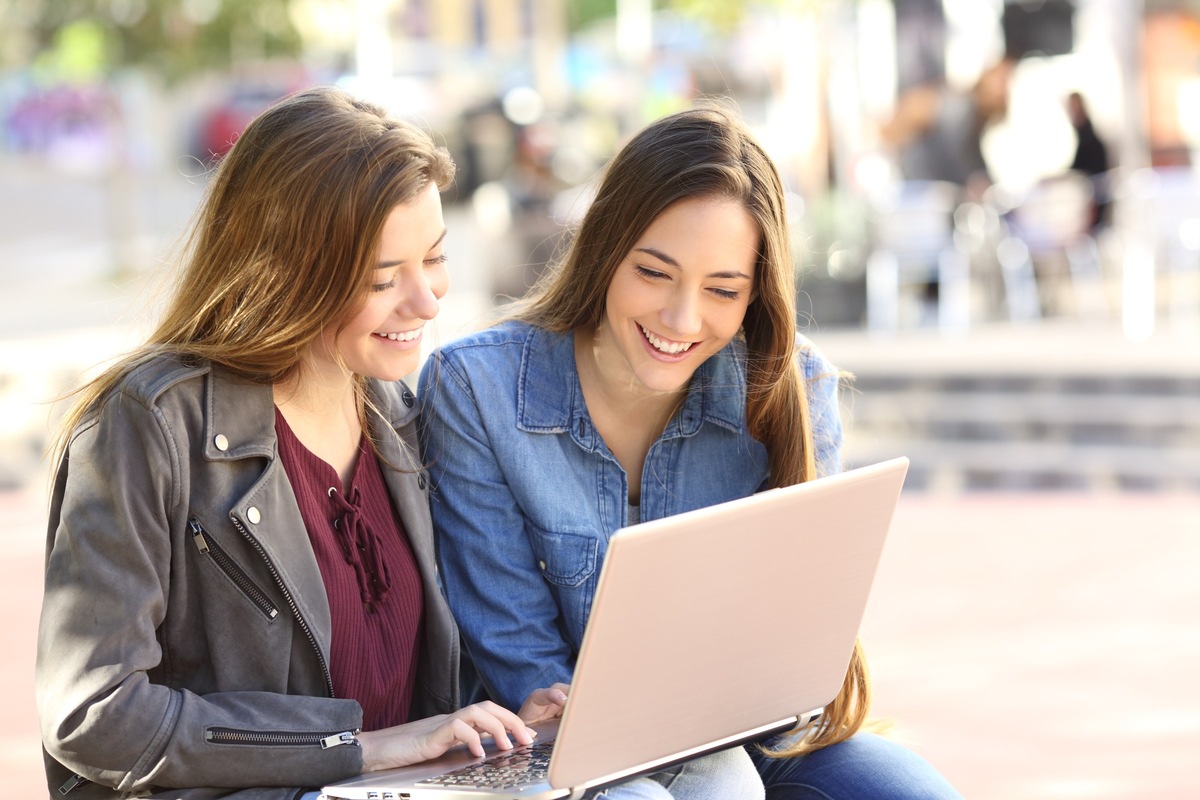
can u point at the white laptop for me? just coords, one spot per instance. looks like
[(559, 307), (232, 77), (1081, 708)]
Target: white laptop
[(708, 629)]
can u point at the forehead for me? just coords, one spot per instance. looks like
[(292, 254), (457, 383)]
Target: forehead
[(412, 227), (705, 234)]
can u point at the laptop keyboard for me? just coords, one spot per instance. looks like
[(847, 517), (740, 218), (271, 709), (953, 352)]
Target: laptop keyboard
[(507, 770)]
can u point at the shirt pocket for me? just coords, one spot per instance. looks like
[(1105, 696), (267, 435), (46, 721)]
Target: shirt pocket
[(567, 561)]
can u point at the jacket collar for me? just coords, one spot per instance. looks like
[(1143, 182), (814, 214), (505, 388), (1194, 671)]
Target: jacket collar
[(550, 397), (239, 417), (240, 414)]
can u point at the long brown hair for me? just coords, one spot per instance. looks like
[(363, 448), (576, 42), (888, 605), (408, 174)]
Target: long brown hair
[(285, 240), (708, 152)]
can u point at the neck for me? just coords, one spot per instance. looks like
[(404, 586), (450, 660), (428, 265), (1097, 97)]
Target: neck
[(316, 393), (628, 416), (613, 386), (324, 415)]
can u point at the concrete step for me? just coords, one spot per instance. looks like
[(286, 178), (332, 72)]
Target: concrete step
[(1067, 416), (1025, 465)]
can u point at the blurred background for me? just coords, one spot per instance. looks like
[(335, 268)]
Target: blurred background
[(997, 231)]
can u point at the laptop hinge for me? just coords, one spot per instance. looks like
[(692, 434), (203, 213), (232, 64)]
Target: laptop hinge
[(660, 764), (805, 719)]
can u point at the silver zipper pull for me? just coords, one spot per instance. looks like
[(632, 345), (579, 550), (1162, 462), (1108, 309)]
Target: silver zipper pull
[(198, 536), (73, 783), (345, 737)]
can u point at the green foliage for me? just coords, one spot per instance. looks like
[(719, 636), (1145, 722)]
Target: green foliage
[(724, 15), (581, 13), (80, 53), (172, 37)]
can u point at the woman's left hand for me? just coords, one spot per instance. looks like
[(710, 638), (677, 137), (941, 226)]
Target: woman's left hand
[(544, 704)]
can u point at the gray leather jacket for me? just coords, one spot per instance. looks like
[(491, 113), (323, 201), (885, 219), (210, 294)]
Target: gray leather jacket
[(185, 630)]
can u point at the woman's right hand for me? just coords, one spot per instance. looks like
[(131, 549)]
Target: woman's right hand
[(428, 738)]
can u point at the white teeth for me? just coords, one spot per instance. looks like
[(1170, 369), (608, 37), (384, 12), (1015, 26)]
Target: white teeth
[(407, 336), (670, 348)]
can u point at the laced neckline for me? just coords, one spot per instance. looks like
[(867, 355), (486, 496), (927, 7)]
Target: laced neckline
[(359, 544)]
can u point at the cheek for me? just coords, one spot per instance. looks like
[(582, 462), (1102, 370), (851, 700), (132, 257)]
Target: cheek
[(732, 322), (365, 320)]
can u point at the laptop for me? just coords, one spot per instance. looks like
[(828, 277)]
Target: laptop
[(708, 629)]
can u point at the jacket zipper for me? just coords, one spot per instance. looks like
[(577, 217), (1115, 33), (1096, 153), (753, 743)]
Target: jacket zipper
[(208, 547), (326, 740), (73, 783), (287, 595)]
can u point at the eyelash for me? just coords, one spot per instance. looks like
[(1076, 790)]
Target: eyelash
[(646, 272), (724, 294), (432, 262)]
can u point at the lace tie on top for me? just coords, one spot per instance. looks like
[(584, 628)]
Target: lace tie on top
[(360, 547)]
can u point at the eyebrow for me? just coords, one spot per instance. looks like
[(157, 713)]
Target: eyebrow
[(661, 256), (390, 264)]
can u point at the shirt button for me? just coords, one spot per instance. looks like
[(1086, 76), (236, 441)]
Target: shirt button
[(221, 442), (541, 565), (253, 515), (408, 398), (421, 480)]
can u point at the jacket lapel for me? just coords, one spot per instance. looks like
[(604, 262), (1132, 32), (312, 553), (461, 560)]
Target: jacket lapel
[(244, 414)]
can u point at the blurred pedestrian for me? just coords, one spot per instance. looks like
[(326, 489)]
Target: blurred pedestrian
[(659, 365), (936, 131), (1091, 157), (240, 591)]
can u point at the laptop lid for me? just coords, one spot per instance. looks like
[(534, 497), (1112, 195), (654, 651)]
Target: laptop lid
[(708, 628), (723, 619)]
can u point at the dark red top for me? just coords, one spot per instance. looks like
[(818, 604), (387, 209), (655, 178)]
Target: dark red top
[(371, 578)]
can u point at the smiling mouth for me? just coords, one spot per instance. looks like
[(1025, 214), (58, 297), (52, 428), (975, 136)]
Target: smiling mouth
[(666, 346), (406, 336)]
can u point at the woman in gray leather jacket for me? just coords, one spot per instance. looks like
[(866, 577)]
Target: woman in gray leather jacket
[(240, 593)]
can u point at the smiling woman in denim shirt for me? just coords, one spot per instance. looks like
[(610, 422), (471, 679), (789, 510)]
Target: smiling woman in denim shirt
[(655, 371)]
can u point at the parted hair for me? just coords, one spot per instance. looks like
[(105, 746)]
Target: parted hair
[(285, 240), (708, 152)]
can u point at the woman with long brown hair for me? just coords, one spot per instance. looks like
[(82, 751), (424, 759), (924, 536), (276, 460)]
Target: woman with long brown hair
[(656, 370), (240, 596)]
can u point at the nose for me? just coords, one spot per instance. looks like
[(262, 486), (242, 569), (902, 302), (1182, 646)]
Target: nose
[(422, 293), (681, 314)]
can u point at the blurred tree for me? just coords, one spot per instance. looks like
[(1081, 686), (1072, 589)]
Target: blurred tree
[(79, 53), (582, 12), (174, 38), (724, 15)]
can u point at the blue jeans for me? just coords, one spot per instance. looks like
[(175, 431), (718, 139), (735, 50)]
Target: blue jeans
[(726, 775), (865, 767)]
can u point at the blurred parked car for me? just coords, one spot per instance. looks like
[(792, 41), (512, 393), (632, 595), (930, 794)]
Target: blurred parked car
[(220, 126)]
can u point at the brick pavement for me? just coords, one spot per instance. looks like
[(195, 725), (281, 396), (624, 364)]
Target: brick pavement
[(1044, 646)]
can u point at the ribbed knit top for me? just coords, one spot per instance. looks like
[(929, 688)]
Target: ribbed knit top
[(370, 575)]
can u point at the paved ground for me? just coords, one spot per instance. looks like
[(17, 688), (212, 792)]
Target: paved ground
[(1042, 647)]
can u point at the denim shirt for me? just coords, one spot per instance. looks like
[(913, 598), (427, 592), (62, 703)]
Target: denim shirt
[(526, 494)]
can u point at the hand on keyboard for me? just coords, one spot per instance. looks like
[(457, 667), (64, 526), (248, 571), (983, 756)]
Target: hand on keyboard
[(428, 738), (521, 767)]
